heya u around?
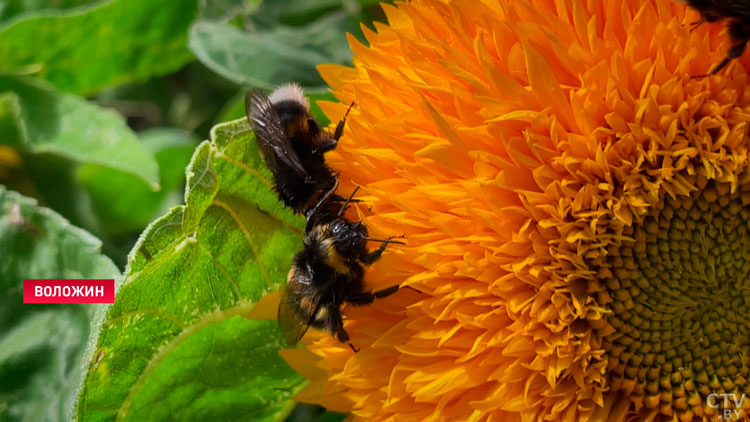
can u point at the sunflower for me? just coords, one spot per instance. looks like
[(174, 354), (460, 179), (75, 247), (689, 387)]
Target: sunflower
[(575, 205)]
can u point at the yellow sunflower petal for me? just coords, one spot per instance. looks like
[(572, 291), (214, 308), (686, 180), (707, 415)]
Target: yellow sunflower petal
[(575, 207)]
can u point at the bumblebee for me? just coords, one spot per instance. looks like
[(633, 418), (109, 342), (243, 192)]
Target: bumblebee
[(292, 145), (737, 14), (326, 273)]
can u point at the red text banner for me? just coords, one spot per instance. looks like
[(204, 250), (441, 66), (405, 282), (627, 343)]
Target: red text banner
[(69, 291)]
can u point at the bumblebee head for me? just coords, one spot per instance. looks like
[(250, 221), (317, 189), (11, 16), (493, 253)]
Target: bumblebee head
[(349, 237)]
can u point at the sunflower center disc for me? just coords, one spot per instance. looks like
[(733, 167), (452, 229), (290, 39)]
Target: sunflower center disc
[(680, 304)]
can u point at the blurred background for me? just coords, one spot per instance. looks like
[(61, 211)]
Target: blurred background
[(151, 78)]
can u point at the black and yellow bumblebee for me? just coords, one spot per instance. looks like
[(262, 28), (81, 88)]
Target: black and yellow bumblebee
[(293, 145), (325, 274), (329, 270), (737, 15)]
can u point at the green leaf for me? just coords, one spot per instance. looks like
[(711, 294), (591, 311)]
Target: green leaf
[(302, 12), (122, 202), (11, 8), (175, 344), (331, 417), (226, 10), (38, 119), (266, 59), (42, 346), (313, 413), (233, 109), (10, 115), (86, 49)]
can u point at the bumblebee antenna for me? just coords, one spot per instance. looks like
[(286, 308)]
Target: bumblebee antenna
[(340, 127), (390, 240), (348, 200), (348, 110)]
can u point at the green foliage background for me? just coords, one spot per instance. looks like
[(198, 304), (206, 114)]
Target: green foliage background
[(103, 107)]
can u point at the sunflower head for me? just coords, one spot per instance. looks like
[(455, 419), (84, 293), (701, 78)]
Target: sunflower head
[(575, 206)]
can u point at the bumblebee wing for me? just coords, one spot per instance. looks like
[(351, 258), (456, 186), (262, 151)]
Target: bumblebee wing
[(296, 311), (290, 322), (269, 132)]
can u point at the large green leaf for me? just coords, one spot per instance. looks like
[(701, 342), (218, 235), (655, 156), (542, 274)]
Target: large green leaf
[(266, 59), (314, 413), (41, 346), (12, 8), (227, 10), (302, 12), (86, 49), (122, 202), (175, 345), (36, 118)]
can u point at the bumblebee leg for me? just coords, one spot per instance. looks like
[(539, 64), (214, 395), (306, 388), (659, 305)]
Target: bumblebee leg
[(346, 203), (325, 146), (740, 34), (340, 127), (721, 64), (336, 326), (310, 214), (695, 24), (734, 52), (367, 298), (343, 337)]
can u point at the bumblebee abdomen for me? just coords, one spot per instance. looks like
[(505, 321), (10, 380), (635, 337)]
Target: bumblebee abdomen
[(293, 118), (299, 193), (294, 192)]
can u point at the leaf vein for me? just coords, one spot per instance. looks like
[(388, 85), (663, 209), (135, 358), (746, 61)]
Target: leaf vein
[(211, 318), (246, 168), (157, 312), (249, 239), (222, 269)]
